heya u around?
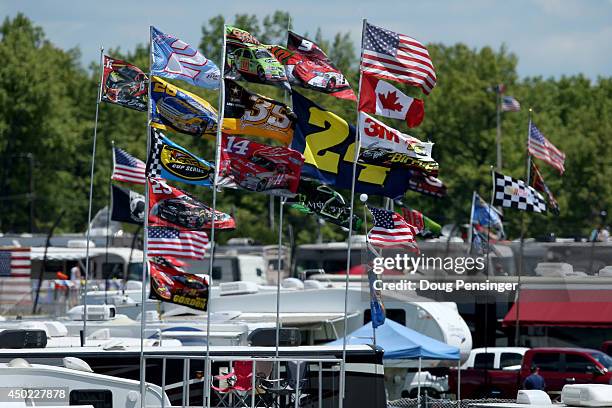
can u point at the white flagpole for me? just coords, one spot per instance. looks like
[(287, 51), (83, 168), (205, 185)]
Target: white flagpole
[(91, 183), (145, 260), (221, 110), (350, 233), (471, 226), (498, 134)]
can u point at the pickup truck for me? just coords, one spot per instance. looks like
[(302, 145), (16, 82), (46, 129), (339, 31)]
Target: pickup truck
[(492, 376)]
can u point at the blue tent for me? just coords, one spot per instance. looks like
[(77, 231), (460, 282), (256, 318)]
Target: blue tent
[(400, 342)]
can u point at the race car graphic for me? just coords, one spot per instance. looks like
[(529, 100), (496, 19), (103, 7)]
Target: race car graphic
[(183, 211), (161, 284), (124, 84), (261, 173), (319, 75), (190, 283), (182, 115), (257, 61)]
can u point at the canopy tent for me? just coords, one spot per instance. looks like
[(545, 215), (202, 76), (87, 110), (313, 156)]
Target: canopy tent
[(400, 342)]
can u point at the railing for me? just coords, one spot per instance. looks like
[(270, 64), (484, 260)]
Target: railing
[(279, 381)]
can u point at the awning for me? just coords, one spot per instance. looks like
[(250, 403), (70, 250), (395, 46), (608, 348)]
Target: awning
[(562, 308)]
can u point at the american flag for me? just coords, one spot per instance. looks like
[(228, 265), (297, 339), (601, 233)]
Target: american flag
[(391, 230), (414, 217), (127, 168), (510, 104), (541, 148), (164, 241), (397, 57), (15, 270)]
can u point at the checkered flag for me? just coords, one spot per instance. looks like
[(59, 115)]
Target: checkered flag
[(153, 162), (513, 193)]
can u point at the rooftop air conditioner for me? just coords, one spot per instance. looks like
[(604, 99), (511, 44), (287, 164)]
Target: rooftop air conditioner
[(237, 288), (533, 397), (587, 395), (94, 312)]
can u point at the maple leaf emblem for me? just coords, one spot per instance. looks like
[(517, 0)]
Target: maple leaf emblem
[(390, 101)]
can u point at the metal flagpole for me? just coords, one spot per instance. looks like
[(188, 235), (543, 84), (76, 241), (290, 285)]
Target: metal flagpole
[(498, 136), (278, 276), (108, 214), (364, 198), (145, 237), (471, 226), (522, 247), (221, 110), (351, 212), (91, 182)]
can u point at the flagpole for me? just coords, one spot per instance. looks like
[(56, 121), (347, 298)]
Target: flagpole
[(471, 226), (365, 232), (351, 212), (221, 110), (145, 238), (498, 136), (522, 246), (108, 214), (91, 183)]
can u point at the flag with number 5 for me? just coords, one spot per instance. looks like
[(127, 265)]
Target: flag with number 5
[(253, 166), (175, 59), (248, 113)]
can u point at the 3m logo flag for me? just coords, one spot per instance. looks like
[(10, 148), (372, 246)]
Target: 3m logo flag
[(537, 182), (175, 59), (397, 57), (164, 241), (391, 230), (510, 104), (127, 168), (541, 148), (513, 193), (15, 270), (384, 99)]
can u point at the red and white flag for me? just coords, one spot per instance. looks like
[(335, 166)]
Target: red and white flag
[(540, 147), (382, 98), (390, 230), (413, 217), (15, 282), (397, 57), (127, 168)]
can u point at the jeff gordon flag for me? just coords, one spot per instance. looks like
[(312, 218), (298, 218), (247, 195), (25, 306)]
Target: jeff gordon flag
[(172, 285), (171, 207), (124, 84), (248, 113), (308, 66), (382, 98), (167, 241), (127, 168), (390, 230), (258, 167), (383, 145), (513, 193), (541, 148), (397, 57), (175, 59)]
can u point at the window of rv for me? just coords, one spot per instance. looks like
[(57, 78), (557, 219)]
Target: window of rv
[(112, 270), (135, 271)]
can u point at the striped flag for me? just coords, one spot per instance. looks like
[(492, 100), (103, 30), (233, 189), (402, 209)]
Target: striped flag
[(541, 148), (391, 230), (127, 168), (15, 283), (396, 57), (510, 104), (164, 241), (413, 217)]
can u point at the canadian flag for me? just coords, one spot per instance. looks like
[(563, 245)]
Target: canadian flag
[(382, 98)]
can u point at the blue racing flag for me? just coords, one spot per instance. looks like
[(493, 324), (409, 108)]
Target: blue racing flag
[(170, 161), (175, 59)]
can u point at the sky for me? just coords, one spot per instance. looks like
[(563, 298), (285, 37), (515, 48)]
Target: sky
[(550, 37)]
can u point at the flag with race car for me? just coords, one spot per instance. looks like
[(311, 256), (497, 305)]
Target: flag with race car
[(325, 202), (258, 167), (175, 109), (127, 206), (174, 286), (171, 207), (249, 60), (309, 67), (171, 161), (381, 144), (426, 185), (124, 84), (253, 114)]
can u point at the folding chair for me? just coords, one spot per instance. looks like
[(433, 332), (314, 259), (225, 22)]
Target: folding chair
[(240, 384), (291, 386)]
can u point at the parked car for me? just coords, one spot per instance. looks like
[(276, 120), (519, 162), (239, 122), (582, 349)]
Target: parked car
[(558, 366)]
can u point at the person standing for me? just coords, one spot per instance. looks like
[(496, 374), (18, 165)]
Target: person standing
[(534, 381)]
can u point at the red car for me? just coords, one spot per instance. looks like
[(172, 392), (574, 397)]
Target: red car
[(261, 172), (319, 75)]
